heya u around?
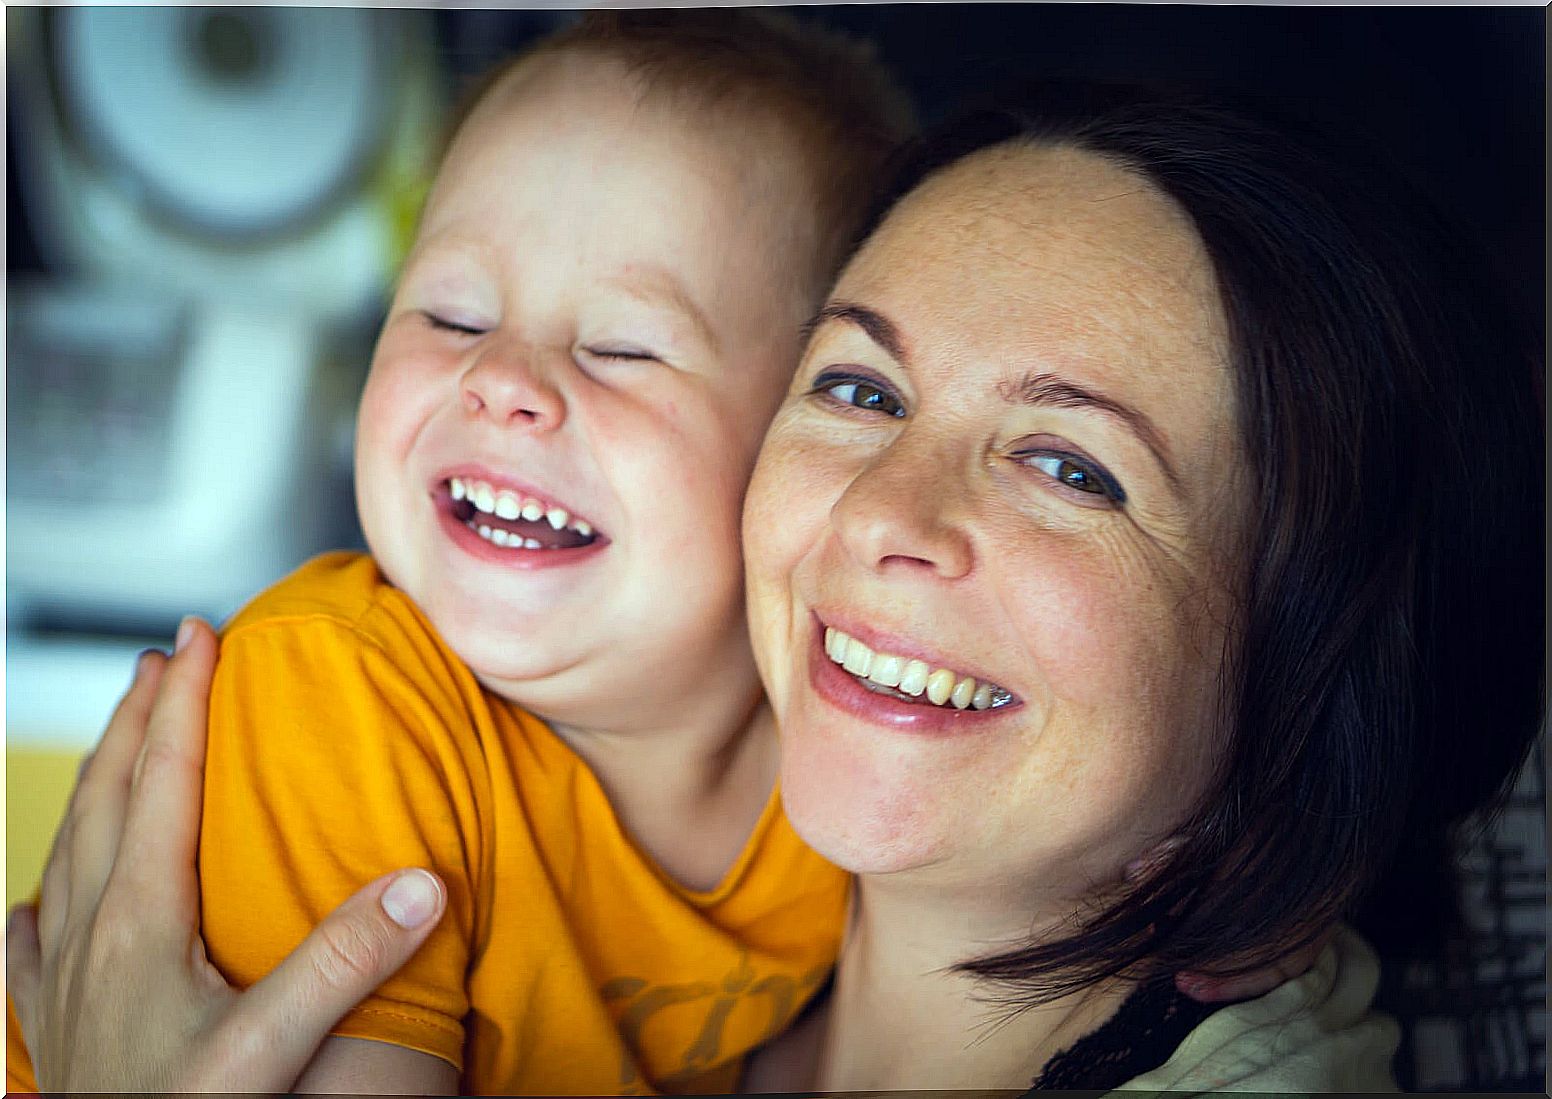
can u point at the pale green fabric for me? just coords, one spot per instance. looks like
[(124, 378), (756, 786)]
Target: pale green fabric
[(1313, 1033)]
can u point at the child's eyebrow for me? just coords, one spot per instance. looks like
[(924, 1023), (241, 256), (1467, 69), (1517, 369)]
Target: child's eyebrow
[(658, 288)]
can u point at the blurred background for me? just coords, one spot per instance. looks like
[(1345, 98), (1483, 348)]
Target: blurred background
[(205, 207)]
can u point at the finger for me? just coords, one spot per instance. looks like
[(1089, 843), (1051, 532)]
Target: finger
[(54, 891), (23, 968), (96, 815), (114, 757), (97, 796), (161, 826), (1217, 990), (111, 763), (357, 947), (1207, 989)]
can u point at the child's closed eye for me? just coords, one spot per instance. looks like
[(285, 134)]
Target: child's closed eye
[(452, 323), (621, 352)]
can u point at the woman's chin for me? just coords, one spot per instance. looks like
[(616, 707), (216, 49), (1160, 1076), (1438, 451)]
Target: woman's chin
[(858, 821)]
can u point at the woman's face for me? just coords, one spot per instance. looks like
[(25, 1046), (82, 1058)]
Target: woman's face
[(1008, 458)]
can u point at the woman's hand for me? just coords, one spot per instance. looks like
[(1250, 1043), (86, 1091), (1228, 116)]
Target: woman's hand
[(109, 975)]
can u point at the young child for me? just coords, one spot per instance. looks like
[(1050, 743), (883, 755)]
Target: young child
[(539, 684)]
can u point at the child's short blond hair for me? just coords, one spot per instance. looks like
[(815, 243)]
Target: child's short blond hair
[(847, 114)]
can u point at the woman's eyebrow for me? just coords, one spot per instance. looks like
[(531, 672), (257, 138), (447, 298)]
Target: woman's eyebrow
[(880, 329), (1048, 389)]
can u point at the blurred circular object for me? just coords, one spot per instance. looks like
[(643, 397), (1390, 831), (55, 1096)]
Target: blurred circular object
[(235, 121)]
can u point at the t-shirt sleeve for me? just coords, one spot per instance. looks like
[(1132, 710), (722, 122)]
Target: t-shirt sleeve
[(335, 757)]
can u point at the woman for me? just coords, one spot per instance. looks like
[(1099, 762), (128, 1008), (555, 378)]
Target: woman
[(1133, 409), (1191, 452)]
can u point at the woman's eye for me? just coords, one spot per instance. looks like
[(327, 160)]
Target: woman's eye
[(1076, 474), (445, 325), (860, 393)]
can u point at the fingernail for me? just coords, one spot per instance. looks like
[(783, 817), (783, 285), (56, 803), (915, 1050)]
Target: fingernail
[(411, 899), (185, 634)]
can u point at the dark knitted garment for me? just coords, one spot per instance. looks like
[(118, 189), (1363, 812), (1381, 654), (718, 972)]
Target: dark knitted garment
[(1141, 1036)]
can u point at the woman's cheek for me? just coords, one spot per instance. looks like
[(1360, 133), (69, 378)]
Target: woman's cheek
[(1073, 618), (786, 503)]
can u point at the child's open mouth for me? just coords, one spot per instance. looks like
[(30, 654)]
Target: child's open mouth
[(516, 521)]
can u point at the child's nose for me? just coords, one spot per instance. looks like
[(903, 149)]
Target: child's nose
[(505, 384)]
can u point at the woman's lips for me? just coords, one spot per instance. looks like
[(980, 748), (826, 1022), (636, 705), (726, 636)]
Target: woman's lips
[(843, 690)]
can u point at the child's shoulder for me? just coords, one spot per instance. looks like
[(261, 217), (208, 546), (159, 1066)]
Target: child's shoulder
[(344, 587), (337, 621)]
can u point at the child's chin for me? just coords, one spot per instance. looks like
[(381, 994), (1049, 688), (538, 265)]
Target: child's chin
[(501, 649)]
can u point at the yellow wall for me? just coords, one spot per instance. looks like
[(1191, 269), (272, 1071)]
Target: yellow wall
[(38, 781)]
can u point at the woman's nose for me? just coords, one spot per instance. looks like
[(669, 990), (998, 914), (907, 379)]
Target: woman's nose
[(905, 511), (506, 384)]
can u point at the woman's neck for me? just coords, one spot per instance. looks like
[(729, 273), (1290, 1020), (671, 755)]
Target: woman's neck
[(901, 1017)]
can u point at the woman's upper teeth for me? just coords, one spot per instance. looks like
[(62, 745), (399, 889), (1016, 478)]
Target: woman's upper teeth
[(941, 686), (510, 505)]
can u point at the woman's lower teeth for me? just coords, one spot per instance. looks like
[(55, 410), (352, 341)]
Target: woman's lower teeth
[(983, 697)]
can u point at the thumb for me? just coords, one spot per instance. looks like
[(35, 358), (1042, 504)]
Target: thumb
[(23, 968), (280, 1022)]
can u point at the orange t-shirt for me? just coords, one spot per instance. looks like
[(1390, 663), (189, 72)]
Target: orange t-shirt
[(347, 740)]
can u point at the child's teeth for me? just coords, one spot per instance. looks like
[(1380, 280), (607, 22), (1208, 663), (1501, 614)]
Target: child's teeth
[(484, 532), (511, 506), (530, 543), (941, 686)]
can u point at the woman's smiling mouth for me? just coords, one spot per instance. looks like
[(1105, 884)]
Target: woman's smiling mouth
[(910, 680), (908, 693)]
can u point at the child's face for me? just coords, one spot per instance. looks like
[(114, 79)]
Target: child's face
[(600, 315)]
